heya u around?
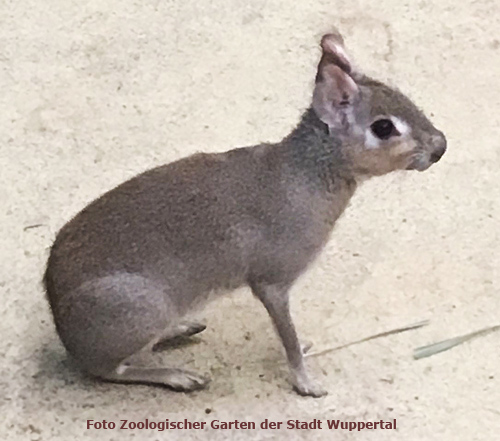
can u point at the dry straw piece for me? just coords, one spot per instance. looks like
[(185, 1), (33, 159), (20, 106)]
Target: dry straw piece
[(436, 348), (372, 337)]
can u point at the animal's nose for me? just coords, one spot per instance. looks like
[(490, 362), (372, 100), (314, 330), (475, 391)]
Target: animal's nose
[(439, 142)]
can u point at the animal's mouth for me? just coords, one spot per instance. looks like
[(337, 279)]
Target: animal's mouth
[(427, 155), (419, 165)]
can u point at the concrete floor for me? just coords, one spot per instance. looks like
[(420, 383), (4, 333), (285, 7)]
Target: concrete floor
[(94, 92)]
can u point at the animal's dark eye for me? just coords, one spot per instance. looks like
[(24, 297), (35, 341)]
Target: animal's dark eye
[(383, 128)]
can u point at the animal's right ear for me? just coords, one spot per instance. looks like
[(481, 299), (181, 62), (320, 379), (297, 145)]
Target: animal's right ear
[(335, 92)]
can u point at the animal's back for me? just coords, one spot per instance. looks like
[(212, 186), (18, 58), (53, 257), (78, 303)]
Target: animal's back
[(193, 226)]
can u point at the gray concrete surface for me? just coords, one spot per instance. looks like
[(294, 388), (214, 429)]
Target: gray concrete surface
[(94, 92)]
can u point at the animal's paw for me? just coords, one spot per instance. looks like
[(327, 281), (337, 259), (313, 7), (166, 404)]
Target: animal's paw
[(186, 381), (306, 346), (305, 387), (310, 390)]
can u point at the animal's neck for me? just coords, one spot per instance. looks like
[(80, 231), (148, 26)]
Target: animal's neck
[(318, 154)]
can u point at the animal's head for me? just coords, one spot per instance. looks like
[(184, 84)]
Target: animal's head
[(381, 129)]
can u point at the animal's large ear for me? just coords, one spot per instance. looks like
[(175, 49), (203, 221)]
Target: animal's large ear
[(335, 92), (333, 52)]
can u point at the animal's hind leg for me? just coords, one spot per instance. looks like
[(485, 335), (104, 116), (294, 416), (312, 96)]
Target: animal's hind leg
[(176, 379), (178, 335), (108, 321)]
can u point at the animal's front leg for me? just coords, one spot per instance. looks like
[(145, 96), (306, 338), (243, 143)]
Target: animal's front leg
[(275, 299)]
